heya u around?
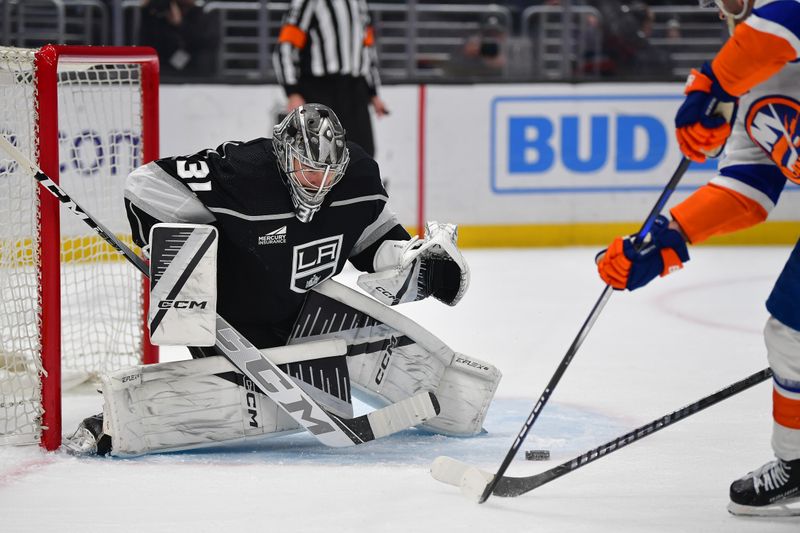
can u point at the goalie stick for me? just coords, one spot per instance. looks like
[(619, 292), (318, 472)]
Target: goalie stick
[(328, 428), (582, 334), (473, 481)]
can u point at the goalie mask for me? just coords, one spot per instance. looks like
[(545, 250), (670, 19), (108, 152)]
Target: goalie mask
[(312, 153)]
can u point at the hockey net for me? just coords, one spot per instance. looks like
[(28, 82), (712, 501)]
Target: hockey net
[(70, 307)]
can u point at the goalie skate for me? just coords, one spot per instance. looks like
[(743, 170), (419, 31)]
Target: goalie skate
[(772, 490), (89, 438)]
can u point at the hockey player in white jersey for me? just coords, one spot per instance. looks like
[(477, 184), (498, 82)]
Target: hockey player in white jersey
[(290, 211), (758, 70)]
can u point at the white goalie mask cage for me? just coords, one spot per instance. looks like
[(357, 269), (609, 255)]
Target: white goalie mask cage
[(312, 153)]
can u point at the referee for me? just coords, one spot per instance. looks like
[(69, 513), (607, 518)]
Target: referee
[(325, 54)]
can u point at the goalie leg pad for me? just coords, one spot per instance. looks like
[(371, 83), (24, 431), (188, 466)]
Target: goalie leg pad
[(391, 358), (464, 387), (186, 405), (464, 393)]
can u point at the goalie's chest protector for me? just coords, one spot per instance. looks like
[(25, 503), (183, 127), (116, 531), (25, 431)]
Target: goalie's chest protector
[(267, 258)]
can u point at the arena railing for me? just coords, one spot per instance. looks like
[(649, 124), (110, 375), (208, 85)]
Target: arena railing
[(33, 23), (562, 40), (416, 41)]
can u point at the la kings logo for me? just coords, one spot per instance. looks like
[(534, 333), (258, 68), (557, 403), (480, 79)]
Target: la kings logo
[(314, 262), (273, 237)]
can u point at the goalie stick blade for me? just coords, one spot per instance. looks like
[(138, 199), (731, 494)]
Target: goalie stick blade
[(404, 414), (392, 418)]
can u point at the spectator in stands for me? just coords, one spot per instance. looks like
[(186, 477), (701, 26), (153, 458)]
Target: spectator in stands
[(328, 56), (628, 51), (649, 61), (186, 38), (484, 54), (673, 32)]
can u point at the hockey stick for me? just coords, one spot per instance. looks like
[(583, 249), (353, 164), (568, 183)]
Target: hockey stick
[(584, 331), (328, 428), (472, 479)]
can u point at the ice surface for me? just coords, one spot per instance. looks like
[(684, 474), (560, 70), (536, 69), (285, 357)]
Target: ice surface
[(649, 353)]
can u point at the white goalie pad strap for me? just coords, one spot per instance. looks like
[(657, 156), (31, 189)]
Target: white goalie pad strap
[(398, 272), (185, 405), (183, 285)]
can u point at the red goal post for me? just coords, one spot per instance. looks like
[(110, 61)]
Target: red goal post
[(88, 115)]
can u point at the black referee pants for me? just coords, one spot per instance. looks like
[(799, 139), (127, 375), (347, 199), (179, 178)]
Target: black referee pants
[(349, 98)]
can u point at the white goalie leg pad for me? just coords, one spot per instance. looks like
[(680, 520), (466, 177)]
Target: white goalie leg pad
[(186, 405), (464, 387), (390, 358), (464, 393)]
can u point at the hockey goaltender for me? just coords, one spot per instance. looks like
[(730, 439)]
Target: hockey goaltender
[(283, 215)]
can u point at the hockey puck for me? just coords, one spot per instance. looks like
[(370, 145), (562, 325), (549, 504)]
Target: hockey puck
[(537, 455)]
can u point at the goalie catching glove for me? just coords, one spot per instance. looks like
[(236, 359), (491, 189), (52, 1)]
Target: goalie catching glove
[(406, 271)]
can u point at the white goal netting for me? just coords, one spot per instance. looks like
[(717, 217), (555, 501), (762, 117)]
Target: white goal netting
[(99, 143)]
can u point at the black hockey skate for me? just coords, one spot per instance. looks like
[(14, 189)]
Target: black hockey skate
[(89, 438), (772, 490)]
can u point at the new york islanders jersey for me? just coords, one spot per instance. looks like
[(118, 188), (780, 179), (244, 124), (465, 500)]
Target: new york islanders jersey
[(267, 258), (760, 63)]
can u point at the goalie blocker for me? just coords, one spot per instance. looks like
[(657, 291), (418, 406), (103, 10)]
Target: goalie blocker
[(342, 342), (183, 285)]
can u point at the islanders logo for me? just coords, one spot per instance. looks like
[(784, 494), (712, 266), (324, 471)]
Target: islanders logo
[(772, 123)]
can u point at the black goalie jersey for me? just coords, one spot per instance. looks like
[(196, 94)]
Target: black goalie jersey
[(267, 259)]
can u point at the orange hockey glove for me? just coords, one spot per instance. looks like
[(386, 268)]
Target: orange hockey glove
[(623, 266), (700, 131)]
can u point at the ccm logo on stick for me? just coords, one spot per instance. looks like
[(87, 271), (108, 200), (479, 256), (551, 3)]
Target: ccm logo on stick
[(252, 405), (181, 304), (390, 346)]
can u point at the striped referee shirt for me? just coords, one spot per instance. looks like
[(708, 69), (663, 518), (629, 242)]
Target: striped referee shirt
[(325, 37)]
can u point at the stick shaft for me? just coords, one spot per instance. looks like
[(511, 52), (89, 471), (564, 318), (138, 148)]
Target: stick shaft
[(511, 486), (581, 336)]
